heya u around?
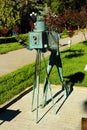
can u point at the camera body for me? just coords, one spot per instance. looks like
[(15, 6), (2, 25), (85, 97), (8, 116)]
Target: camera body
[(38, 40), (42, 39)]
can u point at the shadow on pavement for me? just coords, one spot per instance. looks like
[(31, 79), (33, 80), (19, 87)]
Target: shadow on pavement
[(85, 105), (54, 103), (8, 115)]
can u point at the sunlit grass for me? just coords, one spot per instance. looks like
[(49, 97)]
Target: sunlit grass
[(15, 45), (74, 60)]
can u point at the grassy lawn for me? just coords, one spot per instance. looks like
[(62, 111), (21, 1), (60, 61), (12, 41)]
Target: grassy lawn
[(77, 58), (74, 60), (13, 83), (6, 46)]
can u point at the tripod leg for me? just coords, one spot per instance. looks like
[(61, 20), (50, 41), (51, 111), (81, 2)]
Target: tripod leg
[(33, 93), (51, 93), (36, 83), (37, 97), (64, 86), (46, 85)]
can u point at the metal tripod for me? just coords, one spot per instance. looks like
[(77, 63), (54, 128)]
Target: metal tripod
[(37, 82)]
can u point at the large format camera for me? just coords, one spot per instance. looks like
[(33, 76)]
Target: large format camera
[(38, 40), (42, 39)]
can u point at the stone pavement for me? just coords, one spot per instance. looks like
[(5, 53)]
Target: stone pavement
[(15, 59), (69, 112)]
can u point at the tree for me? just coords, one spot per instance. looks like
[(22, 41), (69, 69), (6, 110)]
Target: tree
[(29, 7), (13, 11), (70, 14), (9, 15), (61, 5)]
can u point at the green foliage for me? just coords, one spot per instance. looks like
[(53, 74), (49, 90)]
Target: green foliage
[(17, 12), (68, 14), (12, 12), (54, 6), (24, 37), (9, 15), (62, 5)]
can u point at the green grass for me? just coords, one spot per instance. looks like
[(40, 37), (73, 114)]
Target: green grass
[(4, 48), (7, 47), (74, 60), (15, 82)]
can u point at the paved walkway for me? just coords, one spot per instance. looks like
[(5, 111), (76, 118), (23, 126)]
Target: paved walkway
[(16, 59), (68, 115)]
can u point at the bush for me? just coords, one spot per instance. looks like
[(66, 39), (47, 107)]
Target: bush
[(7, 40), (23, 37)]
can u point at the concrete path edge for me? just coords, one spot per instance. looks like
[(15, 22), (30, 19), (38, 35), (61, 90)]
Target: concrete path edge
[(15, 98)]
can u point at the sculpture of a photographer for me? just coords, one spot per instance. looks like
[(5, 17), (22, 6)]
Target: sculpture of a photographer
[(42, 39), (54, 59)]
